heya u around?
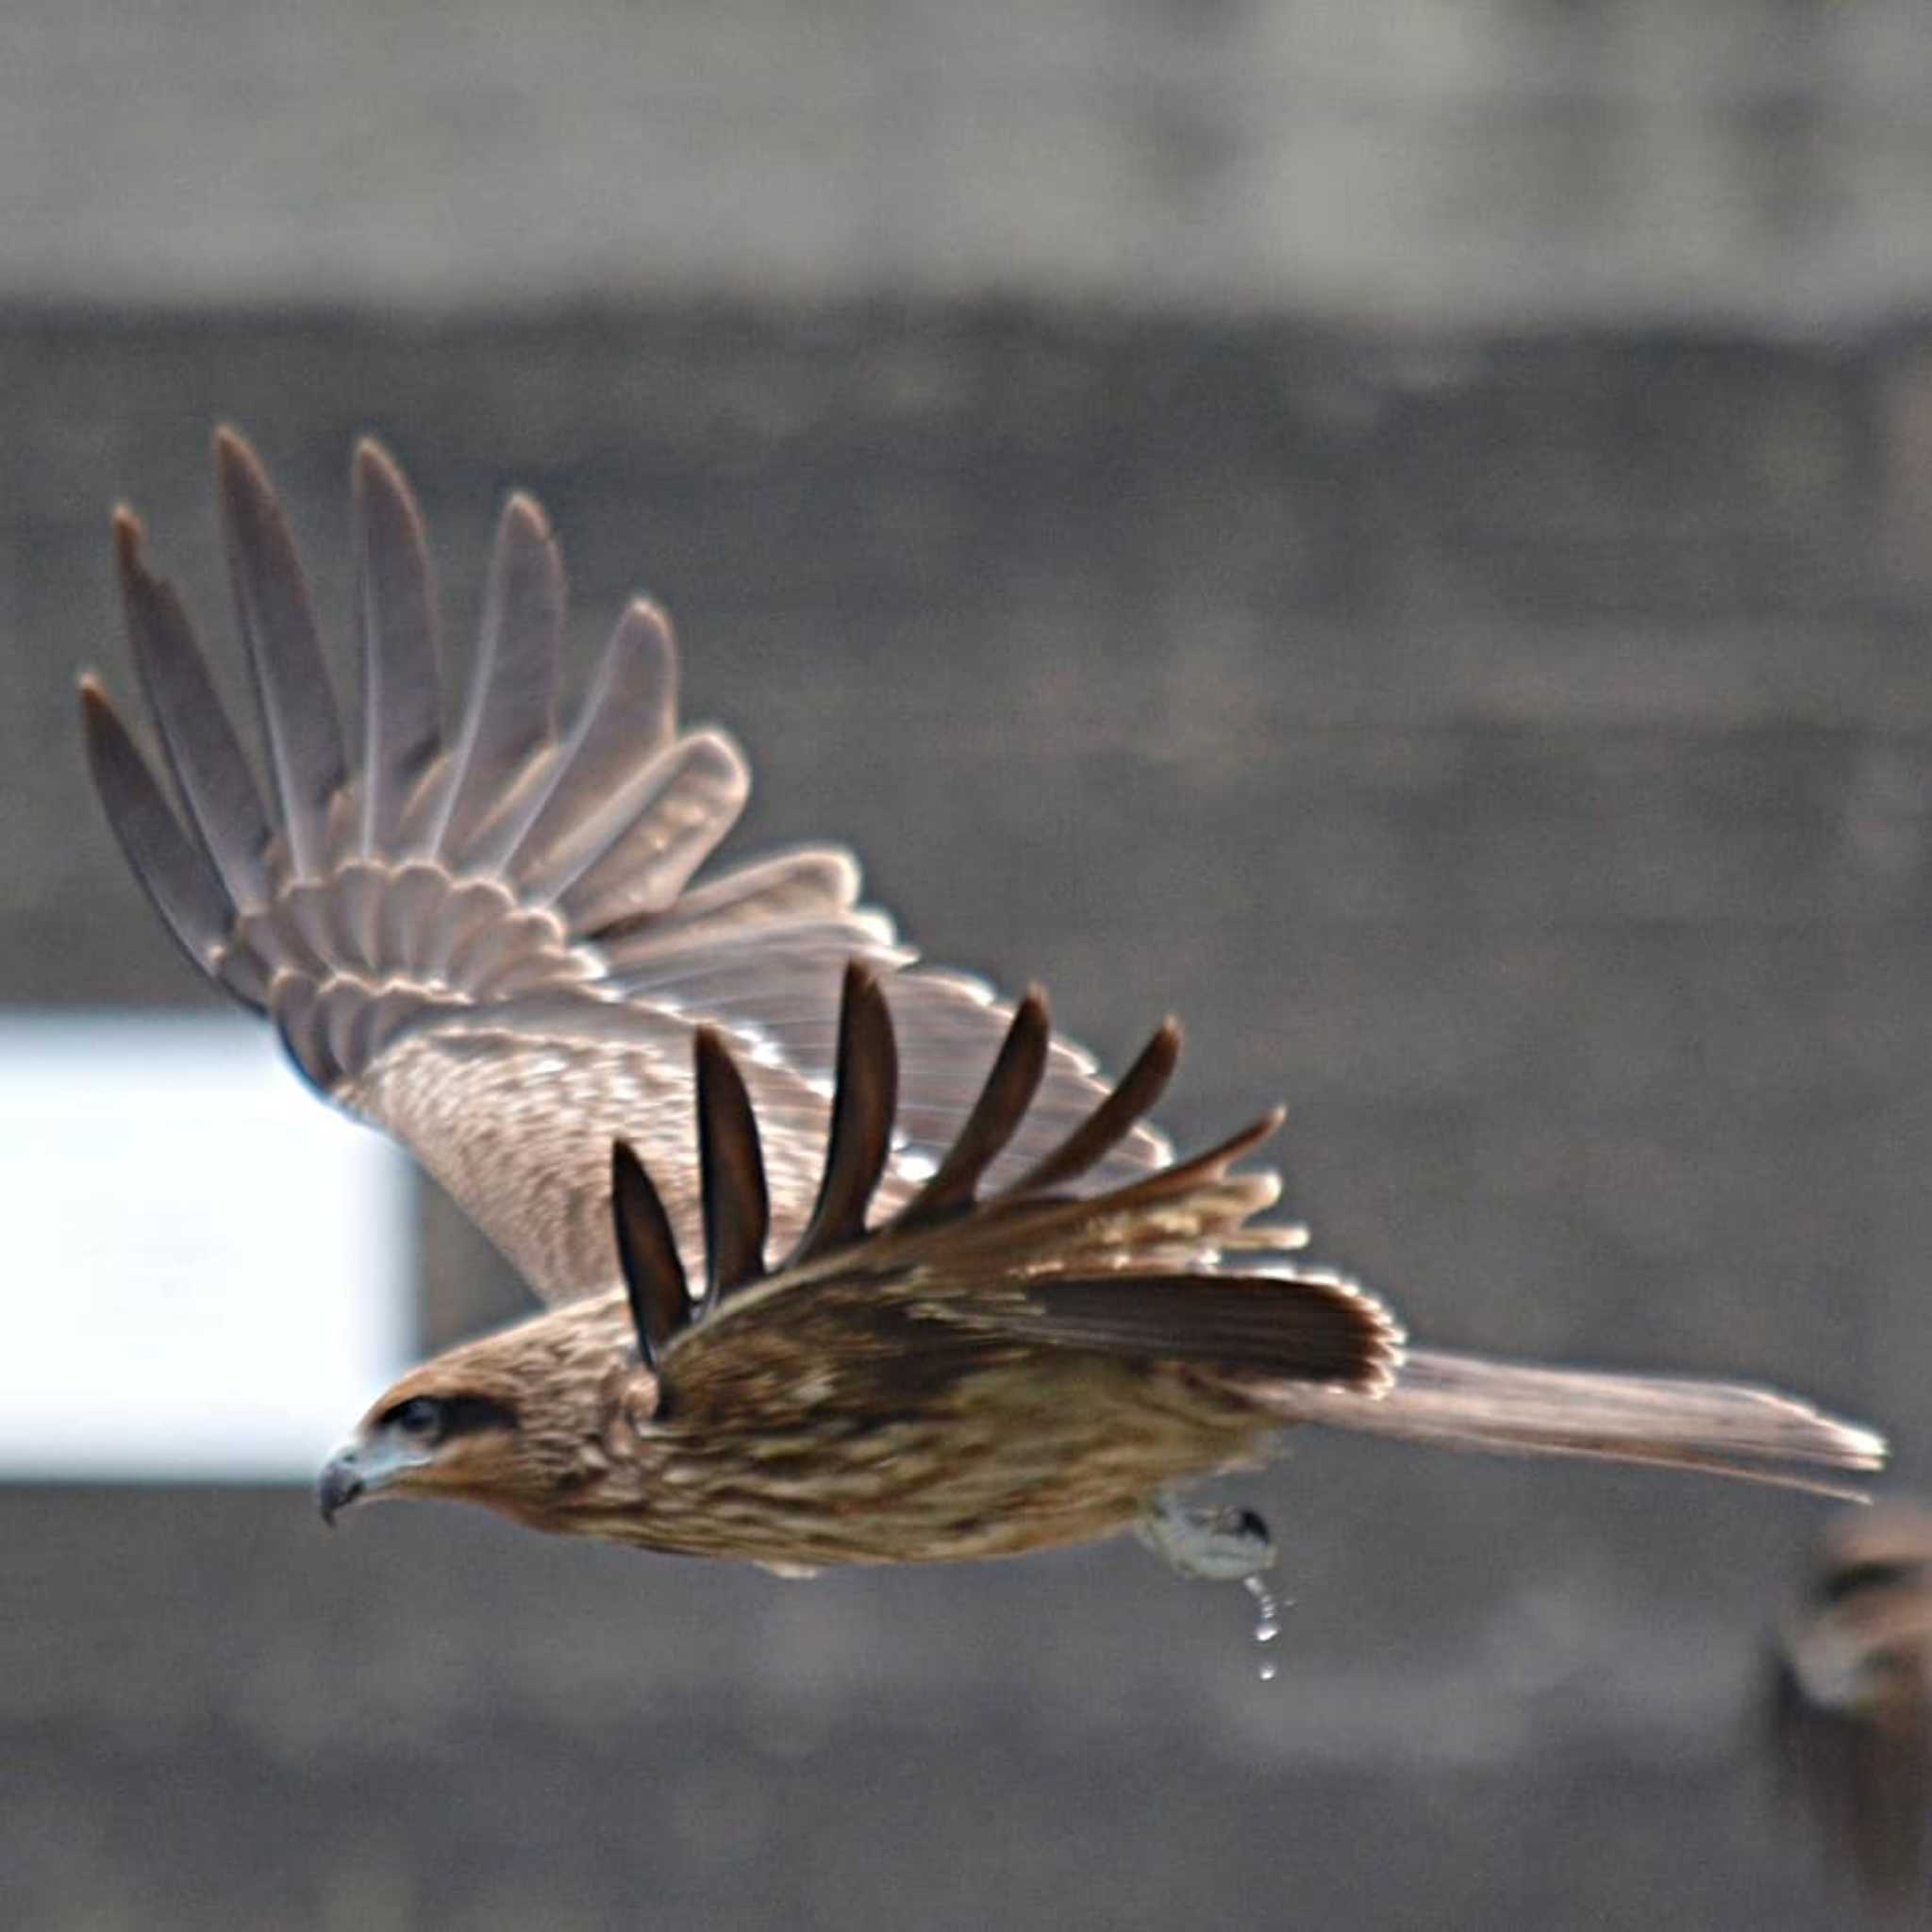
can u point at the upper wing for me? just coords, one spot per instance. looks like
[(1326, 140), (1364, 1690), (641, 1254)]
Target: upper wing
[(1158, 1270), (481, 934), (954, 1278)]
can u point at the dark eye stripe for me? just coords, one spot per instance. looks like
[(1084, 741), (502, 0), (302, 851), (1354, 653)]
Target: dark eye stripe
[(421, 1415), (439, 1417), (465, 1415)]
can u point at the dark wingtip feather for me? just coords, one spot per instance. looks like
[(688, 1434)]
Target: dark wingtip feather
[(731, 1165), (396, 623), (531, 518), (242, 490), (298, 709), (370, 463), (510, 712), (174, 872), (864, 1099), (130, 535), (654, 1278), (1207, 1164), (1017, 1072), (1139, 1088), (211, 773)]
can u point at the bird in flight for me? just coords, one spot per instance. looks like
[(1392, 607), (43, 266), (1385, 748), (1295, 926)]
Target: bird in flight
[(844, 1257), (1852, 1702)]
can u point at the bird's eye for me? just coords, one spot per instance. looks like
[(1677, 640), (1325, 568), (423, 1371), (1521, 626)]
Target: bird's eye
[(420, 1417)]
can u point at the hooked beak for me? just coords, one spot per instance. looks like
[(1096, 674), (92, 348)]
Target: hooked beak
[(364, 1467), (339, 1485)]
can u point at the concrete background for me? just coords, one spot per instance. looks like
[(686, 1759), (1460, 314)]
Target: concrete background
[(1516, 756), (1508, 741), (1439, 159)]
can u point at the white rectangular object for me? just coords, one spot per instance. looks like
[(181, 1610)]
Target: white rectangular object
[(208, 1271)]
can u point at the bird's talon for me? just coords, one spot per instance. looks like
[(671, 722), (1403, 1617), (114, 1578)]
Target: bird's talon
[(1209, 1545)]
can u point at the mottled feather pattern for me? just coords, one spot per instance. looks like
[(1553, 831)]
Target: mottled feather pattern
[(959, 1374)]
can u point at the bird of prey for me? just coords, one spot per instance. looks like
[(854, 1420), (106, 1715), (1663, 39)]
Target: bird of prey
[(845, 1258), (1853, 1700)]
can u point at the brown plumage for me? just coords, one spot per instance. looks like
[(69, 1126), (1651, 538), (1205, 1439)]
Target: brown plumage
[(847, 1260), (1853, 1701)]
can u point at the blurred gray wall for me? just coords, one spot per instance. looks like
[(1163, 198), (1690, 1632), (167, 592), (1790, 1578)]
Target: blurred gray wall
[(1436, 160), (1194, 581)]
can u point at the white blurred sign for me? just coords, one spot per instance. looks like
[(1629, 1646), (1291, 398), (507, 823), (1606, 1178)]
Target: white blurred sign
[(204, 1270)]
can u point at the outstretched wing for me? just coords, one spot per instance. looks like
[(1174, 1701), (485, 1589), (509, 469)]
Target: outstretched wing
[(481, 933), (1145, 1271), (1160, 1269)]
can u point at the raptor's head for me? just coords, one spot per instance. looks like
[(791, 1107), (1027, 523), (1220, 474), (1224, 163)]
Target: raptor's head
[(511, 1420)]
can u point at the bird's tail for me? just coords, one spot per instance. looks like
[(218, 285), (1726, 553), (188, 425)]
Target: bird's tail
[(1724, 1428)]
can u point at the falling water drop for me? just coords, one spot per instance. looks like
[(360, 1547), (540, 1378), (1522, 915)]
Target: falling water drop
[(1267, 1622)]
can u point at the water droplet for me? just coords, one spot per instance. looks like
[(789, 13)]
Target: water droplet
[(1267, 1620)]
